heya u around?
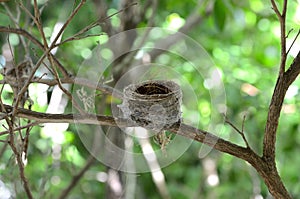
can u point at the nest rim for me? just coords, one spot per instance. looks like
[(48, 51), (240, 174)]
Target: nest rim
[(135, 92)]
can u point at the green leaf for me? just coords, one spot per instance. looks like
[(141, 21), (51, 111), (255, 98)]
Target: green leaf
[(219, 14)]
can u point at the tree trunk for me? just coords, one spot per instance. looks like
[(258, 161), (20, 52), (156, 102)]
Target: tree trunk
[(268, 172)]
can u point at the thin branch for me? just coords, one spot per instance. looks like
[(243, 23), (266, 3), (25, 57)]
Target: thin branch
[(75, 11), (80, 81), (27, 11), (92, 25), (18, 157), (38, 23), (36, 42), (293, 71), (23, 32), (282, 19), (11, 142), (101, 9), (27, 83), (77, 177), (181, 129), (275, 8), (282, 85), (74, 38), (241, 132), (65, 118), (293, 42), (284, 9), (46, 53), (288, 34), (74, 103), (16, 22), (20, 128), (21, 167)]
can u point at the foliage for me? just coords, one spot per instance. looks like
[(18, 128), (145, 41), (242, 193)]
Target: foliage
[(243, 39)]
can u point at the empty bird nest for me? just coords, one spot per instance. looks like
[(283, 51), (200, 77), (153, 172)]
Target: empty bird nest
[(152, 104)]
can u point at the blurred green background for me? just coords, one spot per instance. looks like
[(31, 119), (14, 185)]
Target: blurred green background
[(243, 40)]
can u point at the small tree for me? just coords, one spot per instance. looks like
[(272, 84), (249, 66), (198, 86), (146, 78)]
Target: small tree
[(39, 58)]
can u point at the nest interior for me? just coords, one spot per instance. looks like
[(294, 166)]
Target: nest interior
[(152, 89)]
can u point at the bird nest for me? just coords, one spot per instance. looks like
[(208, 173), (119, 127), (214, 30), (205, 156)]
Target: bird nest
[(152, 104)]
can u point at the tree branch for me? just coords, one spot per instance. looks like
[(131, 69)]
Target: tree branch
[(26, 34), (293, 71), (83, 82), (281, 18), (278, 95), (270, 175), (282, 85), (181, 129), (77, 177), (285, 79), (268, 168), (241, 132)]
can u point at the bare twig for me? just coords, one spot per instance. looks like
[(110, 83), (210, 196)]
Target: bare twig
[(275, 8), (101, 9), (11, 142), (83, 82), (281, 87), (77, 177), (27, 11), (92, 25), (18, 157), (74, 103), (20, 128), (241, 132), (16, 22), (26, 84), (46, 53), (36, 42), (38, 23), (293, 42), (281, 18), (22, 32), (20, 164), (75, 11), (74, 38), (288, 34)]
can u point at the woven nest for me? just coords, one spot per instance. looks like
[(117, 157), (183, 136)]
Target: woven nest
[(152, 104)]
